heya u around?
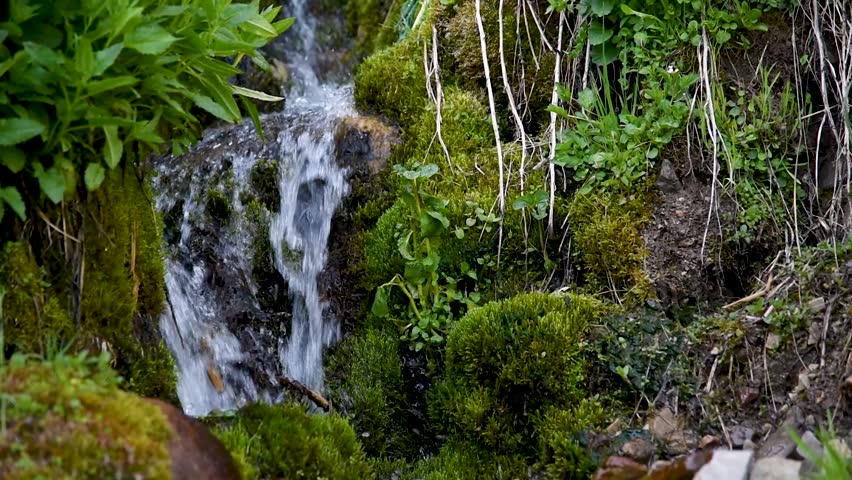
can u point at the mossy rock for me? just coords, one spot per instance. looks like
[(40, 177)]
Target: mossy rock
[(365, 381), (508, 361), (608, 238), (284, 441), (264, 183), (66, 418), (381, 257), (564, 450)]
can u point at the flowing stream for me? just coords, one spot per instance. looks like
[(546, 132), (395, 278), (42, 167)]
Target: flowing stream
[(209, 265)]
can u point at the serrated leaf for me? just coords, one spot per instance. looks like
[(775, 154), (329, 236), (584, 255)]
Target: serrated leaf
[(105, 58), (13, 158), (260, 27), (598, 33), (206, 103), (113, 147), (94, 176), (247, 92), (12, 197), (43, 56), (149, 39), (18, 130), (51, 181), (587, 98)]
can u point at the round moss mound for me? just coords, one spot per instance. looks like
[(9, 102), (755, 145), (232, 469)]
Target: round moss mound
[(66, 418), (510, 360), (285, 441)]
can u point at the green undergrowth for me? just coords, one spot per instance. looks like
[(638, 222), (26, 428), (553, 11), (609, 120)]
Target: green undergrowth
[(116, 252), (66, 418), (285, 441)]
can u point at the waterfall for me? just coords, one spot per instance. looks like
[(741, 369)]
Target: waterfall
[(209, 260)]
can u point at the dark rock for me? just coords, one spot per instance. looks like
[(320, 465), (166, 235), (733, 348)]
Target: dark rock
[(747, 395), (739, 435), (667, 180)]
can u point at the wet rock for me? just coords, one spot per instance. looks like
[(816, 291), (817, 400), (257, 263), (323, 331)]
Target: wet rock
[(681, 442), (739, 434), (638, 449), (727, 465), (776, 469), (667, 180), (620, 468)]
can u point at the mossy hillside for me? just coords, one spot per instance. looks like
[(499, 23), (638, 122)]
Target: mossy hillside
[(114, 261), (284, 441), (365, 381), (563, 451), (463, 461), (508, 361), (67, 416)]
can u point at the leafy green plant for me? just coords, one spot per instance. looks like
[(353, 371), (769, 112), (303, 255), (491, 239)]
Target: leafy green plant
[(614, 149), (85, 85), (536, 203), (430, 294), (833, 463)]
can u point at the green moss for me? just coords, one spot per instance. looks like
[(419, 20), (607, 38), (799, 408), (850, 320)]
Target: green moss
[(463, 461), (29, 312), (240, 444), (152, 373), (381, 257), (67, 417), (264, 183), (218, 206), (365, 378), (392, 82), (563, 449), (284, 441), (608, 238), (509, 360), (374, 23)]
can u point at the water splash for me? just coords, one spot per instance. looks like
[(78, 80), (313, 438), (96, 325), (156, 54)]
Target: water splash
[(209, 276)]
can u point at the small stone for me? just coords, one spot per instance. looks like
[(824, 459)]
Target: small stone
[(639, 449), (773, 340), (664, 422), (814, 333), (680, 213), (709, 441), (667, 180), (816, 304), (776, 469), (727, 465), (812, 443), (749, 445), (748, 395), (779, 444), (681, 442), (739, 435), (810, 420)]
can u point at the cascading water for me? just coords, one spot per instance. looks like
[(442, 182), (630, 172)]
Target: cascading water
[(209, 264)]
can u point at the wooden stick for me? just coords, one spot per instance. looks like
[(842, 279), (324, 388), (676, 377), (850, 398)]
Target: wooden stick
[(754, 296), (302, 389)]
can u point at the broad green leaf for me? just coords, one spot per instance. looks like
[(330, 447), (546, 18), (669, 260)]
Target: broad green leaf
[(211, 65), (598, 33), (283, 25), (51, 181), (12, 158), (113, 148), (587, 98), (206, 103), (18, 130), (105, 58), (169, 11), (21, 11), (84, 59), (111, 83), (94, 176), (149, 39), (260, 27), (558, 110), (12, 197), (629, 11), (602, 7), (238, 13), (440, 217), (247, 92), (46, 57), (7, 64), (255, 118), (402, 246), (380, 304), (221, 93), (604, 54)]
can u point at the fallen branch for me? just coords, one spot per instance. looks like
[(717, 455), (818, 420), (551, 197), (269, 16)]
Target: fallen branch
[(754, 296), (302, 389)]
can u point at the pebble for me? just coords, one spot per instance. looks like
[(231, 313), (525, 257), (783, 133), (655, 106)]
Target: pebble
[(747, 395), (726, 465), (681, 442), (773, 340), (639, 449), (779, 444), (814, 451), (776, 469), (664, 422), (739, 434)]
